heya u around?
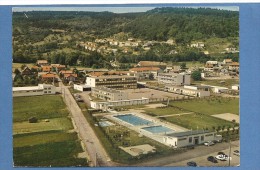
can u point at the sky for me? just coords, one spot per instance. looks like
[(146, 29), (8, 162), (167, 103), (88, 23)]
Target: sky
[(110, 9)]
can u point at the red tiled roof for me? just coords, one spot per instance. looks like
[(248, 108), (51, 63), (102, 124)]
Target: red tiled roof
[(50, 75), (66, 72), (46, 68), (68, 75)]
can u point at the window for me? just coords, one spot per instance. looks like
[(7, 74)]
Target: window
[(49, 88), (190, 139), (45, 92), (202, 138)]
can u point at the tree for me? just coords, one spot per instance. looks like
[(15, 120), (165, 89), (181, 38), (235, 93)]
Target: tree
[(183, 65), (196, 75), (16, 71)]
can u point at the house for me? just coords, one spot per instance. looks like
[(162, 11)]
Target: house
[(234, 66), (151, 64), (50, 77), (227, 61), (46, 68), (42, 62), (144, 72), (70, 77), (174, 78), (41, 89), (26, 71), (198, 45), (113, 81)]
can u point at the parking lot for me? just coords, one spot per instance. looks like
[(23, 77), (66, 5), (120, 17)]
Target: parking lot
[(149, 93), (202, 160)]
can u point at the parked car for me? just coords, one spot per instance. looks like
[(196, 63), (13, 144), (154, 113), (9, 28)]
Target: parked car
[(212, 159), (236, 152), (209, 143), (192, 163), (223, 157)]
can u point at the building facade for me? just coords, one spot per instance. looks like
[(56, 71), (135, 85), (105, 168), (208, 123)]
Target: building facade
[(109, 94), (41, 89), (114, 82), (174, 78)]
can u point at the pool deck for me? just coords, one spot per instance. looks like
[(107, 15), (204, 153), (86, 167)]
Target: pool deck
[(155, 122)]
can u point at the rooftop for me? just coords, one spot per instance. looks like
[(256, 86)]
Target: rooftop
[(26, 88), (188, 133)]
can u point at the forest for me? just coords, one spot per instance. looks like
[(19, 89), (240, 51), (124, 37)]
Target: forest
[(45, 34)]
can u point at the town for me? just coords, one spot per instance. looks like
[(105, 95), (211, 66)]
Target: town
[(128, 113)]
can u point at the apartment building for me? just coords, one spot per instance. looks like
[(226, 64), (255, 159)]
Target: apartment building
[(174, 78), (114, 82)]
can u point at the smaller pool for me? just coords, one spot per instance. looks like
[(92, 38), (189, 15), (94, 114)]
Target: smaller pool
[(158, 129)]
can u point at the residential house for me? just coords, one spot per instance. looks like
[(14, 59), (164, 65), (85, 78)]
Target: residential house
[(46, 68), (198, 45), (42, 62), (49, 77), (26, 71)]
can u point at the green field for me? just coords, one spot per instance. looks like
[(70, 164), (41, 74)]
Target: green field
[(209, 106), (42, 107), (223, 83), (163, 111), (194, 121), (51, 142)]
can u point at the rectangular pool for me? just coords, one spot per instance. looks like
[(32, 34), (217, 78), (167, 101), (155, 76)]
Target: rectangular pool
[(134, 120), (158, 129)]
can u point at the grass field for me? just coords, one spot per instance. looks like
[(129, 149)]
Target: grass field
[(223, 83), (209, 106), (54, 124), (194, 121), (52, 143), (42, 107), (163, 111)]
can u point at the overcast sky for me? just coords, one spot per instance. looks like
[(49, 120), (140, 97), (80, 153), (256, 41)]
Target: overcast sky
[(110, 9)]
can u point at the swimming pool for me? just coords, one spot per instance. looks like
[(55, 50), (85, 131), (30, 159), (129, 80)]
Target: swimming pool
[(157, 129), (133, 120)]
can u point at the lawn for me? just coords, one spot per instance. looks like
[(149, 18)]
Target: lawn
[(223, 83), (53, 154), (163, 111), (209, 106), (42, 107), (46, 143), (37, 138), (194, 121), (54, 124)]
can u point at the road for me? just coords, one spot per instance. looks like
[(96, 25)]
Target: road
[(182, 158), (95, 151)]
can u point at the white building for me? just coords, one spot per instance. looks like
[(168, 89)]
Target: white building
[(174, 78), (195, 137), (82, 87), (144, 72), (116, 82), (194, 91), (110, 104), (109, 94), (217, 89), (41, 89), (235, 87)]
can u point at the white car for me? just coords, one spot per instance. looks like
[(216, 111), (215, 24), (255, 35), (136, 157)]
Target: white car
[(223, 157), (209, 143)]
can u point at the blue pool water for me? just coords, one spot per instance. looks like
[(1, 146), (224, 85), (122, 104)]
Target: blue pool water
[(134, 120), (157, 129)]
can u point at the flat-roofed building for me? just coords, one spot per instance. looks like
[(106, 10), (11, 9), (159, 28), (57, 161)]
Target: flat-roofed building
[(39, 90), (82, 87), (144, 72), (115, 82), (190, 90), (194, 137), (174, 78), (109, 94)]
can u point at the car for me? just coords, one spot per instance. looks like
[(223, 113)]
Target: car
[(236, 152), (223, 157), (209, 143), (212, 159), (192, 163)]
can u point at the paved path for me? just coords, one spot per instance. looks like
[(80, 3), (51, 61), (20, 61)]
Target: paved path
[(175, 114), (96, 153)]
